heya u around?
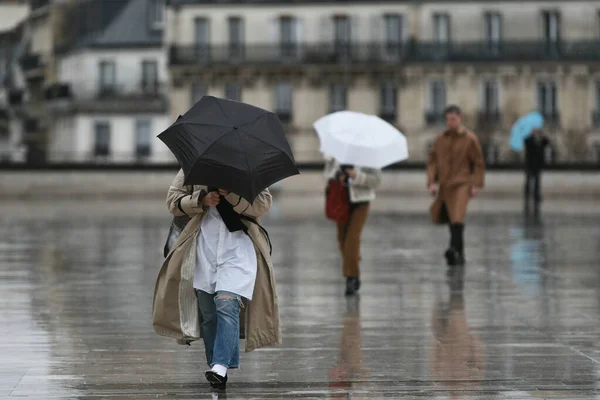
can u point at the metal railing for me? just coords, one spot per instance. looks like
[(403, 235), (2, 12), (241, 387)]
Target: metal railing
[(488, 117), (385, 53), (145, 97)]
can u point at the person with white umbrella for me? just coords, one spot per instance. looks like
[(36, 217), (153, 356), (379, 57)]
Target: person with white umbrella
[(357, 146)]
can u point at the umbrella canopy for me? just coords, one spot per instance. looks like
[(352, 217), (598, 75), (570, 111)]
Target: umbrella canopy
[(230, 145), (360, 139), (522, 129)]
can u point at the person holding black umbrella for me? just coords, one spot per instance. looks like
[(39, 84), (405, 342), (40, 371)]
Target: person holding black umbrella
[(225, 268), (217, 281)]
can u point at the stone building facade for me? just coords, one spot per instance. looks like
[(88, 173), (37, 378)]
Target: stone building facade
[(403, 60)]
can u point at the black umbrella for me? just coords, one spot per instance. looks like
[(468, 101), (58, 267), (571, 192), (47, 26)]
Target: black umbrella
[(230, 145)]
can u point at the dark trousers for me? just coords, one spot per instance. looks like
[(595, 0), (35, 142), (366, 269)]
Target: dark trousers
[(456, 237), (533, 178)]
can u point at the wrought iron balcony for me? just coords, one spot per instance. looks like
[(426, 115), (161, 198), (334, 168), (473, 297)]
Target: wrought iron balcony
[(286, 54), (488, 117), (58, 91), (145, 97), (384, 53)]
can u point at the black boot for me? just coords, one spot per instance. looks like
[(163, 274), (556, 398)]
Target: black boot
[(451, 257), (351, 286), (357, 284)]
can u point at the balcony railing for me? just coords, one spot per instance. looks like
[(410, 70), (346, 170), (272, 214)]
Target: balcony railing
[(488, 118), (58, 91), (145, 97), (385, 53)]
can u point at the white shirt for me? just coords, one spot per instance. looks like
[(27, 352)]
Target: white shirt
[(225, 261)]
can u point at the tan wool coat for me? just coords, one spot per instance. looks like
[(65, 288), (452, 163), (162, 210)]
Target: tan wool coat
[(456, 163), (175, 311)]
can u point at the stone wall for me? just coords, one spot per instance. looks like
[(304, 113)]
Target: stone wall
[(117, 184)]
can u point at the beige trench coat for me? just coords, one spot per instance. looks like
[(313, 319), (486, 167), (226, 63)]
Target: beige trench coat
[(456, 163), (175, 311)]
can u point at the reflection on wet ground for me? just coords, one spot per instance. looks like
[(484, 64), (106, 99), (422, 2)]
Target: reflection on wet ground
[(522, 321)]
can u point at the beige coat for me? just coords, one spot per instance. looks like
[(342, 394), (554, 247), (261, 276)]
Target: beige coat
[(456, 163), (362, 188), (175, 311)]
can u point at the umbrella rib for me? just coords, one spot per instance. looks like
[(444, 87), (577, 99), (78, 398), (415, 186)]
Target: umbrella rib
[(255, 119), (264, 141), (221, 107)]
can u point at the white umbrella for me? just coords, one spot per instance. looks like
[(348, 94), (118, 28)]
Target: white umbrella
[(360, 139)]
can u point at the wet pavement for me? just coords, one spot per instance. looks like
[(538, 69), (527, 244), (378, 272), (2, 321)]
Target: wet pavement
[(522, 321)]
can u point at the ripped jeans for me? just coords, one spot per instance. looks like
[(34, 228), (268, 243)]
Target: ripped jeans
[(221, 327)]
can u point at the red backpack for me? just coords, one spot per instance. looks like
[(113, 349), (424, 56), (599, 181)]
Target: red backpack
[(337, 203)]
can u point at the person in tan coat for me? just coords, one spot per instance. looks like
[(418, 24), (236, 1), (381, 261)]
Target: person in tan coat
[(217, 282), (455, 174)]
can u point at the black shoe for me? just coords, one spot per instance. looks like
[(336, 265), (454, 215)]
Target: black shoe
[(351, 286), (451, 257), (460, 259), (216, 381), (357, 284)]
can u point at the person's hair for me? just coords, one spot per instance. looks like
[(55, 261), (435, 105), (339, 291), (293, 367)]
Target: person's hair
[(452, 109)]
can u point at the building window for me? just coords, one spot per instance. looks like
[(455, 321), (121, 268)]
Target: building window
[(342, 34), (157, 13), (437, 102), (548, 100), (233, 91), (198, 91), (284, 101), (393, 29), (202, 39), (596, 114), (441, 28), (288, 36), (101, 139), (393, 25), (388, 102), (551, 27), (108, 77), (149, 76), (490, 101), (337, 97), (236, 37), (493, 30), (143, 138)]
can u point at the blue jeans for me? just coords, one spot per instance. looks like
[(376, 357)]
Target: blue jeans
[(221, 327)]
